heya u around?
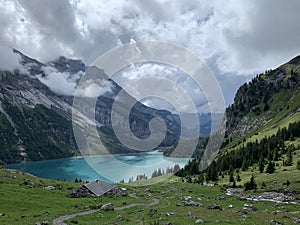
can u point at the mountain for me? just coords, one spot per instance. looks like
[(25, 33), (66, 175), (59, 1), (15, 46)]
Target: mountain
[(35, 116), (263, 126), (269, 101)]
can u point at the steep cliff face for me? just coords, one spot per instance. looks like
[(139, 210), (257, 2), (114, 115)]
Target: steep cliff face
[(35, 119), (266, 100)]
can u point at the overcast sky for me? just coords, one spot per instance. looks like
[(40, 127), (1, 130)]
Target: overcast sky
[(237, 39)]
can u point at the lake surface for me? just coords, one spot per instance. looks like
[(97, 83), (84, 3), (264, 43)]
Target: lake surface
[(111, 168)]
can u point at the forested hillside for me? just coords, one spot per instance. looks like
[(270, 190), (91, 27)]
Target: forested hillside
[(263, 126)]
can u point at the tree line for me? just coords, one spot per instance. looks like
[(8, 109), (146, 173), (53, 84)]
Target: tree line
[(264, 154)]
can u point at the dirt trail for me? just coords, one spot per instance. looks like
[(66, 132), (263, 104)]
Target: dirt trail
[(60, 220)]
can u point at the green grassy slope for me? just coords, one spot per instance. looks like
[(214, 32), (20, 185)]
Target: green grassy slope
[(24, 201)]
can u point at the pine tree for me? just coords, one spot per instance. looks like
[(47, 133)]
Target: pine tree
[(250, 185), (159, 172), (244, 165), (261, 166), (289, 161), (231, 178), (212, 173), (271, 167)]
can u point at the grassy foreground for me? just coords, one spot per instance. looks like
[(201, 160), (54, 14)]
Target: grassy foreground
[(25, 201)]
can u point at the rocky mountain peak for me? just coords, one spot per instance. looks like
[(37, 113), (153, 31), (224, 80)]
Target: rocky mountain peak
[(63, 64)]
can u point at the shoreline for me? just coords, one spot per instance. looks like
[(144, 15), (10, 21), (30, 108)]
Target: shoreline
[(82, 157)]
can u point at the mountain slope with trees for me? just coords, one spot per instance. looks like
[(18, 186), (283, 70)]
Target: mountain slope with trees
[(263, 127)]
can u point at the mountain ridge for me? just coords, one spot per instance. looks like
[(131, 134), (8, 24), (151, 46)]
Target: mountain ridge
[(30, 109)]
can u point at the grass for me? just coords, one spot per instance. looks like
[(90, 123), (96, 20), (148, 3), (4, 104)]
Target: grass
[(24, 201), (171, 193)]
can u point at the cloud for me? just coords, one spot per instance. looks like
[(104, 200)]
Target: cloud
[(22, 30), (255, 35), (243, 37), (94, 89), (61, 83), (65, 83), (52, 17), (8, 60), (180, 85), (236, 38)]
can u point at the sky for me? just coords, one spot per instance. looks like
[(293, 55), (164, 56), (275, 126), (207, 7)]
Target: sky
[(236, 39)]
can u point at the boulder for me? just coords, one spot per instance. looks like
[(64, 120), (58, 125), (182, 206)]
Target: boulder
[(192, 203), (214, 206), (170, 214), (107, 207), (275, 222), (186, 198), (296, 220), (152, 212), (148, 190), (219, 198), (49, 188), (249, 208)]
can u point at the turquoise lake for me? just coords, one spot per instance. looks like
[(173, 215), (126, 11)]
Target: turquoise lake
[(113, 168)]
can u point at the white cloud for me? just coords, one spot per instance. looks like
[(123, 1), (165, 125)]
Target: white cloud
[(255, 35), (236, 37), (94, 89), (179, 85), (60, 83), (8, 60), (242, 36), (64, 83)]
